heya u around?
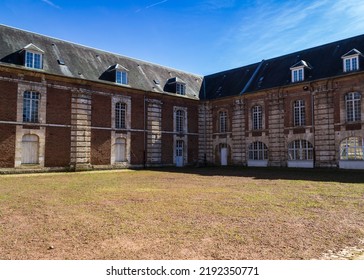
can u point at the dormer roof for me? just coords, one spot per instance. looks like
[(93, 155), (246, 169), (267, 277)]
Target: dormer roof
[(32, 47), (117, 67), (301, 63), (351, 53)]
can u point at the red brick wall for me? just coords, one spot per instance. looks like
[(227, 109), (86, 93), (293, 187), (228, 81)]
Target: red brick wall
[(101, 111), (167, 148), (100, 147), (7, 145), (58, 106), (57, 147), (137, 148), (8, 95)]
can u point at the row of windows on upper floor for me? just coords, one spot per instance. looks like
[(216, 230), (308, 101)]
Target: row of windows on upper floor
[(352, 106), (33, 58), (350, 63), (31, 101)]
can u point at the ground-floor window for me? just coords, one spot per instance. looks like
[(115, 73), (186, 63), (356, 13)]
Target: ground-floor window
[(30, 149), (352, 148), (258, 151), (120, 149), (300, 150)]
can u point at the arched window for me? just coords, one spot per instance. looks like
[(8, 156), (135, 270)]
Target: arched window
[(299, 113), (258, 151), (120, 115), (352, 148), (120, 149), (30, 106), (180, 118), (257, 117), (353, 106), (30, 149), (300, 150), (223, 122)]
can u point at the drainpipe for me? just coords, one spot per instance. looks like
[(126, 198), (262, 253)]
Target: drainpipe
[(144, 132), (204, 110), (313, 123)]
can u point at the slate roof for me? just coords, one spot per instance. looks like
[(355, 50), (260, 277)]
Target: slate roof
[(323, 62), (73, 60), (77, 61)]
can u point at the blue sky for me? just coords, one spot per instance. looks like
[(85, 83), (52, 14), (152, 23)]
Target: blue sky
[(199, 36)]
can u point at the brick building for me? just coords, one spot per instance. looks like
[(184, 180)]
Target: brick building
[(66, 106)]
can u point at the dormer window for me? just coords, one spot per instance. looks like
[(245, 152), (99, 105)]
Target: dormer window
[(117, 74), (298, 71), (121, 77), (297, 75), (351, 60), (175, 85), (180, 89), (33, 57)]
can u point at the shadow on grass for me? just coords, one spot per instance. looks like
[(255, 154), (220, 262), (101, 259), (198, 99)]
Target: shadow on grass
[(273, 173)]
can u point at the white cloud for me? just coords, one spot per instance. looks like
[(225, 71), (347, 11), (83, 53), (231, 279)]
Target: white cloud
[(155, 4), (50, 3), (217, 4), (271, 28)]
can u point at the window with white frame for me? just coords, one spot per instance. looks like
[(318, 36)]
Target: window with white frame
[(297, 75), (353, 106), (299, 113), (120, 115), (33, 60), (351, 64), (300, 150), (180, 89), (121, 77), (223, 122), (352, 148), (180, 120), (31, 106), (257, 117), (258, 151)]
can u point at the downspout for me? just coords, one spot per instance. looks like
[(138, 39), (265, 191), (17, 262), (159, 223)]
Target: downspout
[(313, 123), (144, 132), (205, 132)]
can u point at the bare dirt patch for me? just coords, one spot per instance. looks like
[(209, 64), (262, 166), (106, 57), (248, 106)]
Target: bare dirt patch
[(207, 213)]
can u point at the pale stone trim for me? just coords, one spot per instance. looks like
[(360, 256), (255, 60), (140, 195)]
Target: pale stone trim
[(20, 131), (180, 136)]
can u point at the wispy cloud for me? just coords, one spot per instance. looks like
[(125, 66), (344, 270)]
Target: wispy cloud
[(152, 5), (280, 27), (50, 3), (155, 4), (217, 4)]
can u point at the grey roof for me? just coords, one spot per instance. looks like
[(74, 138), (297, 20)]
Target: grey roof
[(77, 61), (323, 62)]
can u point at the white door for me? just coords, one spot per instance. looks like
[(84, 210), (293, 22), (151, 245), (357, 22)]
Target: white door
[(30, 148), (224, 152), (179, 153), (120, 144)]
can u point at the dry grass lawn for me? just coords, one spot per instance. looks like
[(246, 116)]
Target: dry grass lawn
[(207, 213)]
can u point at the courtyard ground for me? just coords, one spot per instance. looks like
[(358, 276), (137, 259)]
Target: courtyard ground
[(200, 213)]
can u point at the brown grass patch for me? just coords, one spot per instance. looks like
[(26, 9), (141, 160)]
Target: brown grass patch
[(208, 213)]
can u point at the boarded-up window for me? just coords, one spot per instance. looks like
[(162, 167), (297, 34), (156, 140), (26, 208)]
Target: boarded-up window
[(120, 150), (30, 149)]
